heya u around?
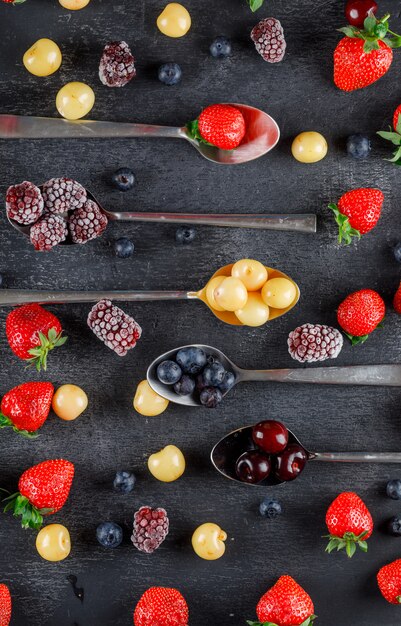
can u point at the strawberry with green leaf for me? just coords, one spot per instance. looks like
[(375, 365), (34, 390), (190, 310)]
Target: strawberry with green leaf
[(349, 523), (25, 408), (357, 212), (285, 604), (360, 314), (220, 125), (394, 136)]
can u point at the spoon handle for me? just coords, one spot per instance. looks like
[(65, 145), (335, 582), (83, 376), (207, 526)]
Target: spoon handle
[(305, 223), (25, 127), (357, 457), (385, 375), (12, 297)]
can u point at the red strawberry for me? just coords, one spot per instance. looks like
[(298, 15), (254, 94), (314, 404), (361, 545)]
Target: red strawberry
[(13, 2), (358, 211), (394, 136), (43, 489), (285, 604), (397, 300), (26, 407), (349, 523), (396, 118), (161, 606), (356, 69), (32, 332), (5, 605), (360, 313), (221, 125), (389, 581)]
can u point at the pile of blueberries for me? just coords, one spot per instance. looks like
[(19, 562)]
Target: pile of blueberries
[(195, 372)]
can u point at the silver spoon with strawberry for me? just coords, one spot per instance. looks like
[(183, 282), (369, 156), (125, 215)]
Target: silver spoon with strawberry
[(258, 133), (269, 454)]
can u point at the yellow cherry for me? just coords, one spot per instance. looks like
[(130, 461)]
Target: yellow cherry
[(147, 402), (309, 147), (43, 58), (255, 312), (231, 294), (174, 21), (75, 100), (69, 402), (210, 287), (208, 541), (279, 293), (167, 465), (74, 5), (53, 542), (252, 273)]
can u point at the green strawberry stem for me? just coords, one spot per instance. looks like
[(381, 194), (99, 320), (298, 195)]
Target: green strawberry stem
[(348, 542), (394, 136), (356, 341), (373, 31), (39, 354), (31, 517), (5, 422), (345, 230), (398, 598), (254, 4), (193, 132), (309, 620)]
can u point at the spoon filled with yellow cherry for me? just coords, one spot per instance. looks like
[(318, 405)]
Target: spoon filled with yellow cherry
[(245, 293)]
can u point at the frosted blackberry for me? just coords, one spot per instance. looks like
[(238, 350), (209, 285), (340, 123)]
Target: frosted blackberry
[(117, 65), (116, 329), (24, 203), (49, 231), (87, 223), (268, 37), (150, 529), (314, 342), (63, 194)]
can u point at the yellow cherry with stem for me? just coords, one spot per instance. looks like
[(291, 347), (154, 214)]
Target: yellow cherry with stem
[(53, 542), (43, 58), (167, 465), (75, 100), (147, 402), (252, 273), (279, 293), (69, 401), (309, 147), (255, 312), (208, 541), (231, 294), (174, 20)]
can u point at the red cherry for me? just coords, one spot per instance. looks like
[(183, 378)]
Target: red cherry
[(253, 467), (271, 436), (291, 462), (356, 11)]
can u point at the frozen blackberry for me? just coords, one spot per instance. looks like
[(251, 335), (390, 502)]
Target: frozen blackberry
[(49, 231), (117, 65), (24, 203), (268, 37), (116, 329), (87, 223), (63, 194), (150, 529), (314, 342)]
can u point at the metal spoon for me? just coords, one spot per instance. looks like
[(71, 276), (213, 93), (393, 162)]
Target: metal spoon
[(12, 297), (374, 375), (305, 223), (262, 133), (226, 452)]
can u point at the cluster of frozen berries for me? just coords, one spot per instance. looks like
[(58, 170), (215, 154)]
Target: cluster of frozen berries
[(58, 211)]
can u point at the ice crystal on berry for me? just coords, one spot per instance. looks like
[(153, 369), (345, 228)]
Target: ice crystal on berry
[(116, 329), (117, 65), (87, 223), (150, 529), (63, 194), (268, 37), (49, 231), (24, 203), (314, 342)]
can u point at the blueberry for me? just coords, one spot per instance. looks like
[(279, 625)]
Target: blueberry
[(169, 73), (123, 248), (397, 252), (185, 235), (168, 372), (191, 360), (393, 489), (228, 382), (210, 397), (200, 383), (220, 48), (358, 146), (270, 508), (394, 526), (214, 374), (124, 482), (109, 534), (185, 385), (123, 179)]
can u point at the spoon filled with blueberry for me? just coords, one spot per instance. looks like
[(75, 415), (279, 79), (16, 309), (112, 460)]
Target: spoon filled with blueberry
[(200, 375), (268, 453)]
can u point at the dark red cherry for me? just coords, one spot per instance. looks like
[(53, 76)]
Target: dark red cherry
[(356, 11), (253, 467), (271, 436), (291, 462)]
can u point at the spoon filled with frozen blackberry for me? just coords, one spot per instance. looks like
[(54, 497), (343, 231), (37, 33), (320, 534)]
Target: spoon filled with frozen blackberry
[(201, 375), (268, 453)]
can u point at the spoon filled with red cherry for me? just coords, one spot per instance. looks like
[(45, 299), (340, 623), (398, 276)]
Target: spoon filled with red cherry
[(269, 454)]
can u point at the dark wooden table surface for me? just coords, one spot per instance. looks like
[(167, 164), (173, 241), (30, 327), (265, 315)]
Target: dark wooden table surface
[(300, 94)]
